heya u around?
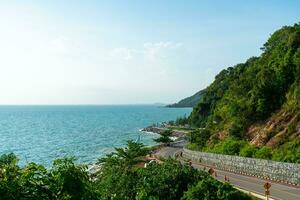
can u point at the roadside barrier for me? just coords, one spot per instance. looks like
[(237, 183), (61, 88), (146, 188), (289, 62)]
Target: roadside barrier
[(282, 172)]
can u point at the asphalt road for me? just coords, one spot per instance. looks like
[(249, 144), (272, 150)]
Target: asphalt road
[(252, 184)]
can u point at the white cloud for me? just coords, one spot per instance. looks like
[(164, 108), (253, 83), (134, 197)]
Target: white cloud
[(149, 51), (158, 50), (61, 45), (123, 53)]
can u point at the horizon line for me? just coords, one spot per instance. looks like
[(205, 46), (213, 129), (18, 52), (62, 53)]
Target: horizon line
[(84, 104)]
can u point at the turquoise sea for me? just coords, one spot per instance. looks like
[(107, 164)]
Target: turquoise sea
[(42, 133)]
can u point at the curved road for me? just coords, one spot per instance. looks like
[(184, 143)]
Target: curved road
[(252, 184)]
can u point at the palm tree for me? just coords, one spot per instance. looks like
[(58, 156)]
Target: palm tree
[(128, 156)]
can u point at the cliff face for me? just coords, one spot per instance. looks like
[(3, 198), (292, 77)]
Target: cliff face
[(282, 127)]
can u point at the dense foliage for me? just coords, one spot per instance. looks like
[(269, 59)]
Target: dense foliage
[(180, 121), (249, 93), (64, 180), (288, 152), (120, 177)]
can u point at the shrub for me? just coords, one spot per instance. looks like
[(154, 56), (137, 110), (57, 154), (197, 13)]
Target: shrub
[(237, 129), (230, 146), (248, 151), (163, 139), (210, 189), (264, 153), (289, 152), (193, 146)]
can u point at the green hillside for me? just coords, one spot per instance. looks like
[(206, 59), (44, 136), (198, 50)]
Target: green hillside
[(255, 106), (189, 101)]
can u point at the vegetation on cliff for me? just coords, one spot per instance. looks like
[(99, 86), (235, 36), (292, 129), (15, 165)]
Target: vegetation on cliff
[(253, 108), (188, 102)]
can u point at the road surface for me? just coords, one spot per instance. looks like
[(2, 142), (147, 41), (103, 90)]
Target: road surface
[(252, 184)]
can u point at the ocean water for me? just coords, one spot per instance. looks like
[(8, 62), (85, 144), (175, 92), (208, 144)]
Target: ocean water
[(43, 133)]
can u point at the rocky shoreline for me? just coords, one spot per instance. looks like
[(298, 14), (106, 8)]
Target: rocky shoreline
[(159, 130), (154, 129)]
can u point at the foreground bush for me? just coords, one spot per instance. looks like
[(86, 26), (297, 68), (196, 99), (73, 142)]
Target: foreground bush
[(120, 178), (208, 189), (64, 181)]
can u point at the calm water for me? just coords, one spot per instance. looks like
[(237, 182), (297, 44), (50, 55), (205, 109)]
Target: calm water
[(43, 133)]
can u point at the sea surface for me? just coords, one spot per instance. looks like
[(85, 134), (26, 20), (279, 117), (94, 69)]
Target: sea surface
[(43, 133)]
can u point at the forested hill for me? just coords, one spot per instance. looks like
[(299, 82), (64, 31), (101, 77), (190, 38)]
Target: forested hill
[(188, 102), (257, 101)]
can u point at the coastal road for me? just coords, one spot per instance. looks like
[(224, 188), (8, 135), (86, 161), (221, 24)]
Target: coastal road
[(252, 184)]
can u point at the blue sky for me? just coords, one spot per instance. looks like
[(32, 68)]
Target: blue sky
[(127, 52)]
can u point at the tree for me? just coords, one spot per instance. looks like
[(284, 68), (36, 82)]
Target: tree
[(118, 178), (199, 137), (164, 138), (129, 156), (69, 181), (168, 180)]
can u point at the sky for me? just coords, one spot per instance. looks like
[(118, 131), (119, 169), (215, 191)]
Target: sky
[(127, 51)]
